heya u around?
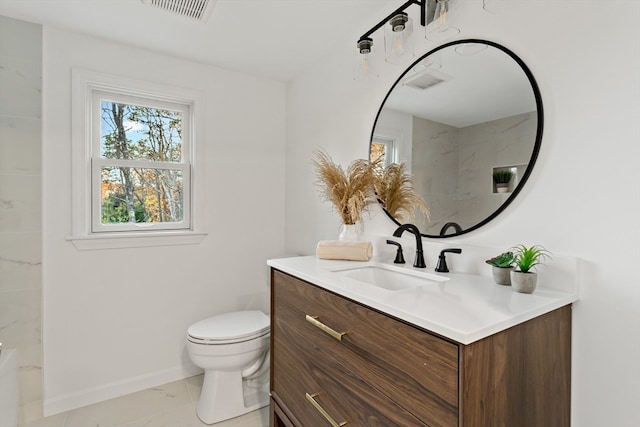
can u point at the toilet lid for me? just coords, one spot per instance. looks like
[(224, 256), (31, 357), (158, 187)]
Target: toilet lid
[(237, 325)]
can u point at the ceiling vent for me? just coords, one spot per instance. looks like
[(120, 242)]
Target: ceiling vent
[(426, 79), (194, 9)]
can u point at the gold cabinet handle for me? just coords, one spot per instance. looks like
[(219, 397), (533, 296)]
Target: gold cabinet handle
[(315, 322), (325, 414)]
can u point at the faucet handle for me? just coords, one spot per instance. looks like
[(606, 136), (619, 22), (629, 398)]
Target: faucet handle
[(399, 256), (442, 259)]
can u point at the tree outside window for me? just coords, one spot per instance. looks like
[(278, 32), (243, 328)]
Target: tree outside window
[(139, 170), (137, 194)]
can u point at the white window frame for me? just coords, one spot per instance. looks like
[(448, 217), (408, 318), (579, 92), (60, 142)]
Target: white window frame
[(391, 151), (87, 230)]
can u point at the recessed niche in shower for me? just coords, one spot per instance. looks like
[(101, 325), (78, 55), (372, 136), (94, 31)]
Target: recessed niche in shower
[(516, 173)]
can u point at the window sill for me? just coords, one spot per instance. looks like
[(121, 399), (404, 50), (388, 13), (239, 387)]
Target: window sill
[(135, 240)]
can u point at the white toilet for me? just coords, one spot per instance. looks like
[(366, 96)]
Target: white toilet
[(233, 350)]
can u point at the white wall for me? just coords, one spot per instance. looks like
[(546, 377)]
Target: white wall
[(585, 58), (115, 320)]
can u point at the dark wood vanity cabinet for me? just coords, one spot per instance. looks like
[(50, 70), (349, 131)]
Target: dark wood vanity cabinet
[(336, 362)]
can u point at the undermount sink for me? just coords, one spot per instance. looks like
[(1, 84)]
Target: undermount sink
[(390, 277)]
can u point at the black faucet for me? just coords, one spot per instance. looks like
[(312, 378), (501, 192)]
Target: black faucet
[(442, 259), (399, 257), (419, 260), (455, 226)]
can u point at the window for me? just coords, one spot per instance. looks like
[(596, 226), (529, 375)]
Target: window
[(138, 164), (383, 149), (134, 145)]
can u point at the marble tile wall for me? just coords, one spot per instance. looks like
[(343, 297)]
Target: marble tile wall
[(506, 142), (20, 206), (455, 176), (436, 177)]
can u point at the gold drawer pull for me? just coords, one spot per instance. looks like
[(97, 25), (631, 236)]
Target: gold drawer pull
[(315, 322), (311, 398)]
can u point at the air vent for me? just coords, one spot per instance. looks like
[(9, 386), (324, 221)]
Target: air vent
[(426, 80), (195, 9)]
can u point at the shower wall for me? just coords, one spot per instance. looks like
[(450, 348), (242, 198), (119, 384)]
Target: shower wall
[(452, 166), (20, 206)]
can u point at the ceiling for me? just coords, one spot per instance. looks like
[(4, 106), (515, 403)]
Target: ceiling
[(471, 83), (271, 38)]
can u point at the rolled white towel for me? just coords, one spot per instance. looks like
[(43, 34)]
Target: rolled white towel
[(350, 251)]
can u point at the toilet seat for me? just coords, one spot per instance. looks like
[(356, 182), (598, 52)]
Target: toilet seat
[(228, 328)]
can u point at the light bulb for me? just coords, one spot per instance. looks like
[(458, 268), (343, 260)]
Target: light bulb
[(364, 65), (442, 10), (398, 44)]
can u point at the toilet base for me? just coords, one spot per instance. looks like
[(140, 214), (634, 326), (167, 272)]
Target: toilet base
[(226, 395)]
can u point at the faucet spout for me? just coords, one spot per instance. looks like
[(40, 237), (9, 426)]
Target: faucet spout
[(419, 259), (455, 225)]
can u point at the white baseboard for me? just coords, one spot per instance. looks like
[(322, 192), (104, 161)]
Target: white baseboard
[(56, 405)]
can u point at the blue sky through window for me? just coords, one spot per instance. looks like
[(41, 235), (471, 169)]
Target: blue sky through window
[(151, 133)]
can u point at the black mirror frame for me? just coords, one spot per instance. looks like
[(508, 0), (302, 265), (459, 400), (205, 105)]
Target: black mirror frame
[(539, 129)]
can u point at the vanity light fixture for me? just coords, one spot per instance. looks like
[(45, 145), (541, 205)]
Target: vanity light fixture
[(398, 43), (443, 26), (398, 28)]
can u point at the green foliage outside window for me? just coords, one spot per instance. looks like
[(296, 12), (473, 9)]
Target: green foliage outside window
[(114, 210)]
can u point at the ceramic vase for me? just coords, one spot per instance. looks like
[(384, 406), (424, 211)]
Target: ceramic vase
[(349, 233), (523, 282), (502, 275)]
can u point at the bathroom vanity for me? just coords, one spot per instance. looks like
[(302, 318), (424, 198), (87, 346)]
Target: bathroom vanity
[(456, 350)]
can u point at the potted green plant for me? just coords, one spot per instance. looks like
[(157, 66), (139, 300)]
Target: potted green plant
[(523, 279), (501, 178), (501, 267)]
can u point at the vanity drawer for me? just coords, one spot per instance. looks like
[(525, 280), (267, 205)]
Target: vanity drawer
[(404, 363), (311, 383)]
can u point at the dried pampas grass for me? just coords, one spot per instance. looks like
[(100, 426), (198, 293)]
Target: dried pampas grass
[(394, 187), (350, 192)]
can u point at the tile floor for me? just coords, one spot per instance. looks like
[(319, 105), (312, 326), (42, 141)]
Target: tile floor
[(169, 405)]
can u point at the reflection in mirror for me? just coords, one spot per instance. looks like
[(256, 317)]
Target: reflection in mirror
[(460, 115)]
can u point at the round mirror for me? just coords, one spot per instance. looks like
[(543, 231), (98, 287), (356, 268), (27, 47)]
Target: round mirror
[(463, 118)]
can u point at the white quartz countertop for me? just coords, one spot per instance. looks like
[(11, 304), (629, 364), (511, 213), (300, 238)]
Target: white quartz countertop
[(462, 307)]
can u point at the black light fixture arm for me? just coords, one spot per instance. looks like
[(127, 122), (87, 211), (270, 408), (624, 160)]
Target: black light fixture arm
[(423, 16)]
